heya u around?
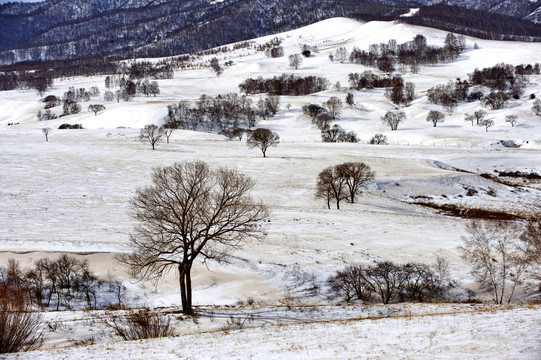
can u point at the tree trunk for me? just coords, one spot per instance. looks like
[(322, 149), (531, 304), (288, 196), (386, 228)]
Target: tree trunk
[(182, 284), (189, 291), (185, 283), (352, 195)]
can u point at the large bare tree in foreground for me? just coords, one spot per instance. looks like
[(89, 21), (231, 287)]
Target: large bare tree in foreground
[(190, 211)]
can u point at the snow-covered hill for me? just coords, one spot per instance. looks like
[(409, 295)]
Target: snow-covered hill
[(72, 193)]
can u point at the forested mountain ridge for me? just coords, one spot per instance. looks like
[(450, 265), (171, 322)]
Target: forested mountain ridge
[(76, 29)]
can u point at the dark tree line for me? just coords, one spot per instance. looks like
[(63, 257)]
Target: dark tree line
[(146, 70), (503, 76), (368, 80), (167, 28), (385, 56), (398, 91), (285, 85), (229, 114), (477, 23), (505, 82), (40, 80), (26, 77)]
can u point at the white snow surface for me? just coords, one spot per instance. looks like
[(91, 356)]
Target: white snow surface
[(452, 333), (72, 194)]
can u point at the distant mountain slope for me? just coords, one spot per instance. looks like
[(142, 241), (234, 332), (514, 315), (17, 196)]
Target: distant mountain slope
[(69, 29), (76, 29)]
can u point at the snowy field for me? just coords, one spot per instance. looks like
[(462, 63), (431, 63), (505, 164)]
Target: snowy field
[(72, 194), (452, 332)]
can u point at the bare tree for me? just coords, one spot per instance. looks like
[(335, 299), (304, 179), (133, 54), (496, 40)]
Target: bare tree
[(263, 139), (334, 107), (496, 257), (495, 100), (215, 65), (378, 139), (108, 95), (350, 283), (536, 107), (96, 108), (168, 131), (386, 279), (469, 117), (393, 118), (479, 116), (152, 134), (272, 104), (154, 88), (356, 176), (435, 117), (330, 185), (511, 119), (486, 123), (350, 100), (531, 243), (46, 131), (190, 211), (295, 61)]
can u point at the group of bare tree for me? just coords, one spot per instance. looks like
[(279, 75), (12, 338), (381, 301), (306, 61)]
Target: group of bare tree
[(386, 56), (284, 85), (343, 182), (323, 115), (230, 114), (39, 80), (390, 282), (129, 87), (368, 80), (450, 94), (60, 283)]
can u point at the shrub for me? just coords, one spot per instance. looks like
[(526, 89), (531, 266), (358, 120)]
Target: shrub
[(19, 326), (337, 134), (142, 324), (378, 139)]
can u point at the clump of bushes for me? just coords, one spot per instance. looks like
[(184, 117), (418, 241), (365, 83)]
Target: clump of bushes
[(20, 327), (70, 126), (388, 282), (141, 324)]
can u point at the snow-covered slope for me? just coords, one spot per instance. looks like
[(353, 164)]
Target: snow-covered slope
[(72, 193)]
